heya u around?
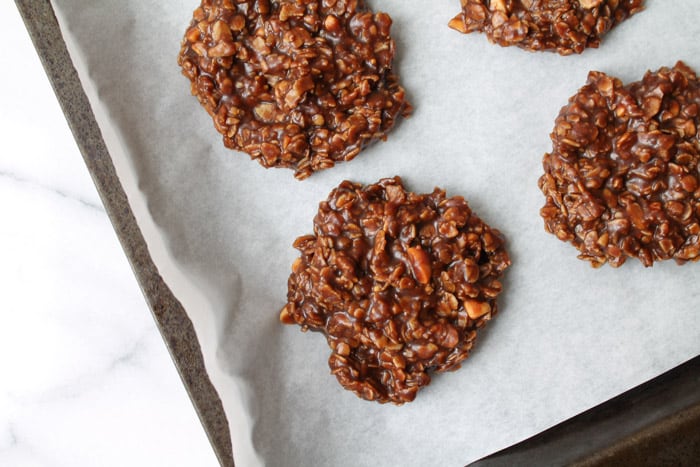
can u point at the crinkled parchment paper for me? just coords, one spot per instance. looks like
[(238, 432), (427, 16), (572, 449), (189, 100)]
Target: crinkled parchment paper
[(220, 228)]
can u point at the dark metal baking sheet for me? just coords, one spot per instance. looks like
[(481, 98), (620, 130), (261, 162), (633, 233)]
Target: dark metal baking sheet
[(657, 423)]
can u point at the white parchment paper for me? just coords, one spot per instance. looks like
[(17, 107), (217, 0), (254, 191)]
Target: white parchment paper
[(220, 228)]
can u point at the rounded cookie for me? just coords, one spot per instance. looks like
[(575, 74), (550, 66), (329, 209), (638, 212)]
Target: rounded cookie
[(564, 26), (398, 282), (301, 84), (623, 177)]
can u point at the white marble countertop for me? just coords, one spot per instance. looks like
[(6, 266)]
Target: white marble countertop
[(85, 378)]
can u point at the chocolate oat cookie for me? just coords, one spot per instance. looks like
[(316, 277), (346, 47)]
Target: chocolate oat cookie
[(565, 26), (623, 177), (398, 282), (301, 84)]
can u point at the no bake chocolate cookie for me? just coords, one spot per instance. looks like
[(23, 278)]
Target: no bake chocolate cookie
[(623, 178), (564, 26), (398, 282), (301, 84)]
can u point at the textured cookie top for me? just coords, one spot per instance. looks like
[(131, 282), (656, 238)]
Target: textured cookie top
[(564, 26), (623, 177), (398, 282), (301, 84)]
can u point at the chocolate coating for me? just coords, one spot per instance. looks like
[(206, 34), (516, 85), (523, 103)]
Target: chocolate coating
[(299, 84), (623, 177), (398, 282), (564, 26)]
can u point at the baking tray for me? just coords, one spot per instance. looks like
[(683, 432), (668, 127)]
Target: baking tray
[(657, 423)]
